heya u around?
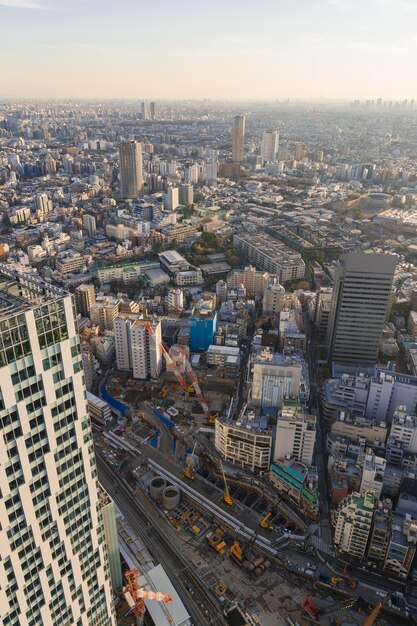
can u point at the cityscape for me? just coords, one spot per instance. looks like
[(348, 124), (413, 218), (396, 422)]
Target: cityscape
[(208, 323)]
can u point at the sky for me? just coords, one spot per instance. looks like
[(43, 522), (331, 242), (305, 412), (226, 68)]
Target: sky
[(218, 49)]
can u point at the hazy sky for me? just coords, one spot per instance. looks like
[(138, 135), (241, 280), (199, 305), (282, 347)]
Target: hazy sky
[(209, 48)]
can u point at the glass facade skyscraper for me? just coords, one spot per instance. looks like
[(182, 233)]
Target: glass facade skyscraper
[(54, 565)]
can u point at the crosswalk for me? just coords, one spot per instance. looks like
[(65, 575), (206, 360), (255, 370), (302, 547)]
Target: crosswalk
[(322, 546)]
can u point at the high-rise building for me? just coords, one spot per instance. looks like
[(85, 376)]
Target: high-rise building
[(273, 300), (131, 177), (353, 523), (154, 111), (136, 349), (269, 145), (171, 199), (186, 194), (295, 436), (89, 223), (360, 301), (104, 311), (238, 137), (85, 297), (54, 565), (108, 511), (144, 111)]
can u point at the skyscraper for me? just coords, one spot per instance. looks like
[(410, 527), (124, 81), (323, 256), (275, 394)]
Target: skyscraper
[(144, 111), (54, 567), (85, 297), (360, 301), (154, 111), (131, 177), (238, 137), (270, 145)]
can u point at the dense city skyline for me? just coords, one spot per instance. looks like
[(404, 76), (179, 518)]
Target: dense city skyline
[(330, 49)]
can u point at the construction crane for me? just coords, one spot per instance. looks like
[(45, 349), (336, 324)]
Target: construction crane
[(195, 386), (350, 580), (264, 522), (135, 596), (188, 470), (226, 497), (372, 616), (237, 551)]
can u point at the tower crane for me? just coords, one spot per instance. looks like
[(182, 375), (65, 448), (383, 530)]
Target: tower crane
[(181, 379), (373, 615), (188, 471), (226, 497), (264, 522), (136, 596)]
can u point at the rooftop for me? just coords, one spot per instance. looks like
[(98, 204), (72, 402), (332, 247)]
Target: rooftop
[(19, 292)]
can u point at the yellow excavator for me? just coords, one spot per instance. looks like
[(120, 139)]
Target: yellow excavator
[(265, 524), (188, 470), (237, 551), (226, 498)]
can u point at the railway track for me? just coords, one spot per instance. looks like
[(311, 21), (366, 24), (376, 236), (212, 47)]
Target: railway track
[(202, 605)]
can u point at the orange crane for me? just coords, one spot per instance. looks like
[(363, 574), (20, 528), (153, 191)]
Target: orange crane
[(188, 470), (227, 497), (136, 596), (265, 524), (372, 616), (194, 380), (349, 578), (310, 608)]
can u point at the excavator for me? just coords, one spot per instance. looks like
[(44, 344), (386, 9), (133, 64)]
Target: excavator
[(226, 497), (265, 524), (135, 596), (237, 552), (189, 469)]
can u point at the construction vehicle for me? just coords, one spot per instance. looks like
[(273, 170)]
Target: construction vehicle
[(310, 608), (336, 580), (188, 369), (215, 537), (220, 548), (135, 596), (188, 470), (373, 615), (226, 498), (164, 392), (237, 552), (265, 524)]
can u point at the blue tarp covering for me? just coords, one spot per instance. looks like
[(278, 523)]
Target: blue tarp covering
[(163, 419), (154, 441), (116, 404)]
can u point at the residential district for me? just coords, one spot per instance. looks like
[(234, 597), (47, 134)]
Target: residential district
[(208, 389)]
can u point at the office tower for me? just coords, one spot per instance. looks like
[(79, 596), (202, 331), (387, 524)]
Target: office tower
[(154, 111), (89, 223), (192, 173), (211, 173), (238, 137), (131, 178), (270, 145), (353, 523), (186, 194), (136, 349), (144, 111), (85, 297), (360, 300), (295, 435), (54, 566)]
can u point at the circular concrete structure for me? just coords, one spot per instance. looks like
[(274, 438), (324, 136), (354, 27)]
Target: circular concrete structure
[(171, 497), (157, 487)]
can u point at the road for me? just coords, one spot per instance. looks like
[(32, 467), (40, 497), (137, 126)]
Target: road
[(141, 516), (320, 450)]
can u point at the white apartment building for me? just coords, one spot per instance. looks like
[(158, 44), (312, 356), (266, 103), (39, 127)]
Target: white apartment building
[(373, 470), (295, 436), (89, 223), (274, 296), (171, 199), (404, 429), (54, 565), (175, 300), (271, 255), (387, 391), (244, 443), (353, 523), (136, 348)]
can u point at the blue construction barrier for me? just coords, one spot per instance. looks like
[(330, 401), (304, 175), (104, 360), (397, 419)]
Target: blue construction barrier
[(116, 404), (154, 442), (163, 419)]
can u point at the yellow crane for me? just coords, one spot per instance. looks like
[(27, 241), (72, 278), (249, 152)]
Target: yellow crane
[(237, 551), (264, 522), (372, 616), (226, 498), (188, 470)]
